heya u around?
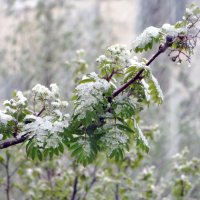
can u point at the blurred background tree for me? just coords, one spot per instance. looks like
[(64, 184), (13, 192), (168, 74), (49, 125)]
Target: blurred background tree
[(43, 37)]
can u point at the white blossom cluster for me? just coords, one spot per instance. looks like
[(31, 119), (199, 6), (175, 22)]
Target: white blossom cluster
[(119, 53), (11, 107), (5, 118), (191, 13), (183, 165), (50, 98), (18, 101), (43, 92), (52, 120), (146, 37), (47, 127), (21, 100), (90, 94), (116, 54), (45, 130), (103, 58), (172, 30)]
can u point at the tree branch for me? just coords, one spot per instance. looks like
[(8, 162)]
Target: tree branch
[(138, 76), (117, 192), (91, 183), (12, 141), (7, 177), (74, 188), (41, 111), (161, 49), (16, 140)]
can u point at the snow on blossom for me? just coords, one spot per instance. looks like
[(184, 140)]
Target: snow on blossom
[(45, 130), (5, 118), (90, 93), (54, 90), (171, 30), (119, 53), (146, 37), (103, 58), (21, 99), (41, 90)]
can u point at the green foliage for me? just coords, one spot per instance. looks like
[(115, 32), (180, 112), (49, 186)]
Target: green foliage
[(155, 90), (106, 106), (147, 39), (134, 178)]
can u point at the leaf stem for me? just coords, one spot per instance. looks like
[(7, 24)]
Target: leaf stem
[(161, 49)]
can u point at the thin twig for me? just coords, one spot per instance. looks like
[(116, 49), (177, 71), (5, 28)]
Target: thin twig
[(74, 188), (117, 192), (7, 176), (91, 183), (41, 111)]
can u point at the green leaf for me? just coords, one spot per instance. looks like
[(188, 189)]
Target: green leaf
[(124, 128), (39, 155), (33, 152), (61, 148), (86, 81), (142, 142), (155, 90)]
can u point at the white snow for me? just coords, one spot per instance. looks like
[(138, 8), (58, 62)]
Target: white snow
[(146, 37)]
